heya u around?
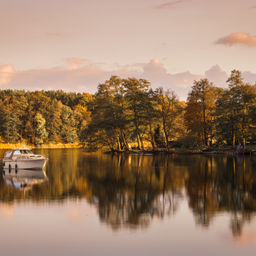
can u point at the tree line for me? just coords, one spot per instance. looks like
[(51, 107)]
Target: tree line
[(126, 113), (43, 116)]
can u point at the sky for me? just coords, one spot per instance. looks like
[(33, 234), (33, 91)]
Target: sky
[(76, 44)]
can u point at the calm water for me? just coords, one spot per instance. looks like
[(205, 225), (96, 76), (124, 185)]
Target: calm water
[(97, 204)]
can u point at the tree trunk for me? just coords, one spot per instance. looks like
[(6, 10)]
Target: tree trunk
[(138, 142), (118, 144), (152, 137), (139, 138), (233, 139), (141, 142), (124, 140), (204, 126), (166, 136)]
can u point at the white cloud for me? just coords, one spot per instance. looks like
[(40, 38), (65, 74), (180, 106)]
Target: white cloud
[(155, 72), (81, 76), (249, 77), (217, 75), (238, 38), (6, 74), (74, 63)]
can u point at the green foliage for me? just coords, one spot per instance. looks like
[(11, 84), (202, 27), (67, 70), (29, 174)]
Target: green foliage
[(40, 131), (199, 115), (126, 113), (68, 127), (159, 137), (138, 106), (235, 111), (12, 113), (40, 117), (169, 110)]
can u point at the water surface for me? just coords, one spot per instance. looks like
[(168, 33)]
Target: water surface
[(98, 204)]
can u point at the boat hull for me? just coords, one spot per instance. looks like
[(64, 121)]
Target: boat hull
[(25, 164)]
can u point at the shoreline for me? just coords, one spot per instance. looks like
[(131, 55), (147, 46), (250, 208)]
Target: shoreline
[(48, 145), (184, 152)]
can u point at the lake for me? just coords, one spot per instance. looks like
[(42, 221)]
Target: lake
[(99, 204)]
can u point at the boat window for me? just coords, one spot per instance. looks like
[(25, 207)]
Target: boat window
[(8, 154), (16, 152), (26, 151)]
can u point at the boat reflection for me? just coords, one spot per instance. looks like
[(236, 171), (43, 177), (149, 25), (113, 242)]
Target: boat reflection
[(24, 179)]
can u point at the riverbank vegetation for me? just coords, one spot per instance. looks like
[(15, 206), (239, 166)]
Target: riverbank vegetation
[(127, 114)]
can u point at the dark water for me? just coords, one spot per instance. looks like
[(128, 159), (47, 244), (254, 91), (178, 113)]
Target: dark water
[(97, 204)]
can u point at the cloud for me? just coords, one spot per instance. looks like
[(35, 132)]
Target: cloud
[(75, 63), (238, 38), (219, 77), (169, 5), (6, 73), (249, 77), (71, 77), (216, 74), (155, 72), (79, 75)]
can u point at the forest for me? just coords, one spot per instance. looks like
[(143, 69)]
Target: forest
[(128, 114)]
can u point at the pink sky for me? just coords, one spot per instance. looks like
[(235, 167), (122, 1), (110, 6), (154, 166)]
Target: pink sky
[(76, 44)]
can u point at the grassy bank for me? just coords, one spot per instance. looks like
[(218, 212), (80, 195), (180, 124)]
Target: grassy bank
[(49, 145), (226, 150)]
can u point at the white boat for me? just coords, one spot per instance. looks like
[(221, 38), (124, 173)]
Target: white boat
[(23, 158)]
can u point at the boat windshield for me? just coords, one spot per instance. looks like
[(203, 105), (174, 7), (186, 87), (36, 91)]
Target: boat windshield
[(8, 154), (25, 151), (16, 152)]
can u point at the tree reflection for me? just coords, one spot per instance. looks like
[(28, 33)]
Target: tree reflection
[(220, 184), (130, 190)]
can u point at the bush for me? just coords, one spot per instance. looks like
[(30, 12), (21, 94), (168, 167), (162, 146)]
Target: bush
[(189, 142)]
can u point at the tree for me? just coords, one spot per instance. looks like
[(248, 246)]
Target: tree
[(82, 117), (199, 115), (109, 119), (169, 109), (12, 113), (40, 131), (235, 110), (68, 126), (152, 119), (54, 121), (136, 95)]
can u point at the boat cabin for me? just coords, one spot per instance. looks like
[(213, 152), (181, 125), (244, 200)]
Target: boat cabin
[(17, 152)]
